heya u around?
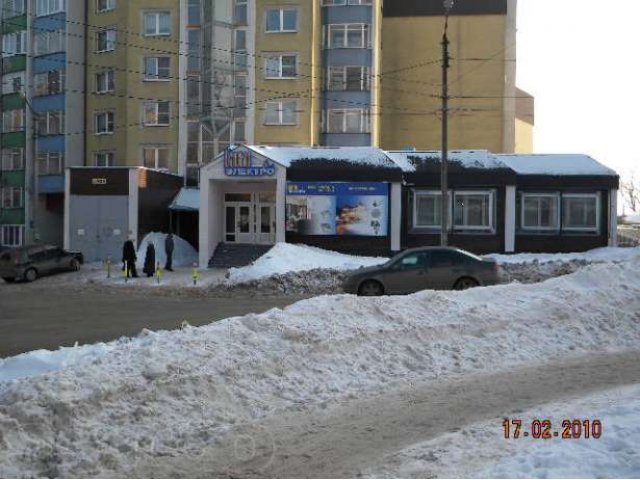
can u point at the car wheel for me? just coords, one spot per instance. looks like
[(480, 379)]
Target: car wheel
[(30, 275), (9, 279), (370, 288), (75, 265), (465, 283)]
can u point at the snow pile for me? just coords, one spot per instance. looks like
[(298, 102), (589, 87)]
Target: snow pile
[(286, 156), (286, 257), (481, 451), (554, 164), (604, 254), (169, 394), (184, 255)]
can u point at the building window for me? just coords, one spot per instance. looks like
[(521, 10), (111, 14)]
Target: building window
[(581, 212), (11, 235), (104, 123), (105, 5), (13, 8), (12, 197), (48, 7), (104, 159), (50, 123), (335, 3), (157, 24), (281, 66), (106, 40), (347, 35), (194, 15), (240, 13), (473, 210), (348, 120), (157, 68), (156, 157), (156, 114), (240, 57), (49, 42), (427, 209), (14, 44), (282, 112), (49, 83), (50, 163), (13, 121), (12, 159), (105, 81), (352, 78), (540, 211), (280, 20), (13, 83)]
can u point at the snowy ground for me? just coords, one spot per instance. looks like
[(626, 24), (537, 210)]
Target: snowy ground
[(481, 450), (169, 395)]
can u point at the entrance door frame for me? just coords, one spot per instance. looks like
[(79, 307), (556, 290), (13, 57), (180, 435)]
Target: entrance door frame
[(255, 235)]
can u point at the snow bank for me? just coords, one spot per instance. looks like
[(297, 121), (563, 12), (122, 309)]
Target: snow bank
[(604, 254), (481, 451), (183, 254), (286, 257), (166, 394)]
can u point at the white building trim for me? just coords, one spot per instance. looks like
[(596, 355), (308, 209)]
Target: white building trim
[(510, 219)]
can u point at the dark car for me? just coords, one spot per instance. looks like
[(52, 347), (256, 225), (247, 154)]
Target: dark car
[(30, 262), (437, 268)]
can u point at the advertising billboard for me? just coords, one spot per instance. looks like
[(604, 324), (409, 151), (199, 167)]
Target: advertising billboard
[(338, 208)]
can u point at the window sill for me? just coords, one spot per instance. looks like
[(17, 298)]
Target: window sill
[(157, 35), (105, 11), (280, 78), (165, 80), (104, 133), (154, 125), (269, 32), (105, 51), (280, 124), (106, 92)]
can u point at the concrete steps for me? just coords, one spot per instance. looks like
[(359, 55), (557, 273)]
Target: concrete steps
[(229, 255)]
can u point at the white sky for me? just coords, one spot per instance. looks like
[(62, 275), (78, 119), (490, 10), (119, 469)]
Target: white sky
[(580, 60)]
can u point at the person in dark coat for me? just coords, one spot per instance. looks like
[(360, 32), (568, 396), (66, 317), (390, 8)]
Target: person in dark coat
[(129, 258), (150, 260), (168, 248)]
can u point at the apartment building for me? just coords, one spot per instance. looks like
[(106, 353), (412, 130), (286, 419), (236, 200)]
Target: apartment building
[(42, 83)]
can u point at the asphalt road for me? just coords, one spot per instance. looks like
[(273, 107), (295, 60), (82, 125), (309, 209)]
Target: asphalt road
[(32, 318)]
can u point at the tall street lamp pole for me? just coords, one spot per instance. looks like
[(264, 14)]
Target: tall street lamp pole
[(444, 212)]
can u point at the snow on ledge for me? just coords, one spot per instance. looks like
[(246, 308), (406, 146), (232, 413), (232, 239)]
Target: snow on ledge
[(604, 254)]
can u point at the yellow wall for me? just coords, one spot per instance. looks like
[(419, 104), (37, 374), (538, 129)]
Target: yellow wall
[(412, 79), (130, 89), (524, 137), (305, 88)]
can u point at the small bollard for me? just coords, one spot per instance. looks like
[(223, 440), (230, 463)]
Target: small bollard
[(109, 267), (158, 273), (195, 274), (125, 272)]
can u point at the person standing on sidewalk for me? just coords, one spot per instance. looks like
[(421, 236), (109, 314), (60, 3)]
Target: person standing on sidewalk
[(168, 248), (129, 258)]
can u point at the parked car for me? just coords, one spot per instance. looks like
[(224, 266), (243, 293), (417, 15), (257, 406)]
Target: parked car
[(30, 262), (438, 268)]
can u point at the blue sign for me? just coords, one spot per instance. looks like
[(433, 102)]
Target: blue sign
[(243, 163), (337, 188)]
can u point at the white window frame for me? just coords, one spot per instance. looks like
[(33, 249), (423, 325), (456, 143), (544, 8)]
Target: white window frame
[(431, 193), (50, 163), (46, 42), (156, 153), (156, 107), (42, 83), (9, 83), (17, 8), (157, 32), (12, 159), (281, 110), (109, 86), (365, 120), (9, 193), (49, 7), (156, 77), (344, 3), (108, 122), (14, 43), (365, 30), (108, 157), (109, 5), (491, 194), (49, 121), (4, 235), (340, 71), (110, 40), (281, 11), (13, 121), (538, 228), (280, 57), (596, 196)]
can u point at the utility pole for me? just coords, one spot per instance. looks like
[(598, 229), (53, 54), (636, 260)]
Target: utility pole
[(444, 204)]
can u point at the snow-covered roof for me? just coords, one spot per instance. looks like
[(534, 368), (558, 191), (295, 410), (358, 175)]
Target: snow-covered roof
[(186, 199), (555, 164), (285, 156), (466, 158)]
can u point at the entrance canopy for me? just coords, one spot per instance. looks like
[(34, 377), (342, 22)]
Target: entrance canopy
[(187, 200)]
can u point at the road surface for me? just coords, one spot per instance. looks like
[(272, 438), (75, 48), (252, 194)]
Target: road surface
[(34, 317)]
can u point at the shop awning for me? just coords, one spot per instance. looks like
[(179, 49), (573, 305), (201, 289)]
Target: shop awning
[(187, 200)]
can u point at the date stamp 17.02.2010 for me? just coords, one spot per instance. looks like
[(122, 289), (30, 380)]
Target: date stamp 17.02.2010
[(544, 429)]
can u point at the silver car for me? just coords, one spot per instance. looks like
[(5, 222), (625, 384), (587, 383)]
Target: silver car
[(30, 262), (436, 268)]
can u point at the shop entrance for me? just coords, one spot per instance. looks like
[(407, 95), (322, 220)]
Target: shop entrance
[(250, 218)]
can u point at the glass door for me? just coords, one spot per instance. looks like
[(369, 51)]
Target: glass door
[(239, 227), (266, 224)]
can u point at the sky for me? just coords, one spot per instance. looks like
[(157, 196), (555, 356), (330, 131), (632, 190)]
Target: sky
[(580, 60)]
